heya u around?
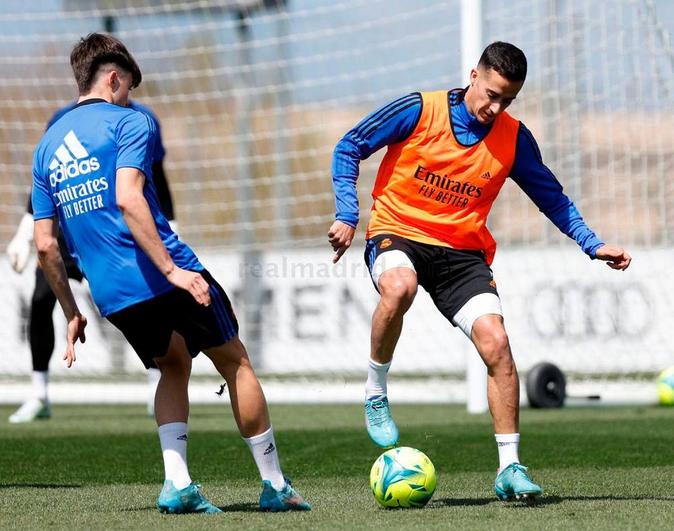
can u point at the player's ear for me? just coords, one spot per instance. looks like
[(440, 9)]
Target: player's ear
[(473, 76), (113, 79)]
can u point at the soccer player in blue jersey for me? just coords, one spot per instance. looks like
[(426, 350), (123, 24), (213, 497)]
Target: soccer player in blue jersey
[(448, 154), (40, 323), (92, 169)]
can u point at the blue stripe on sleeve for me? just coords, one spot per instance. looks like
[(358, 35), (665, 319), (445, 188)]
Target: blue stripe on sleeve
[(543, 188), (390, 124), (374, 120)]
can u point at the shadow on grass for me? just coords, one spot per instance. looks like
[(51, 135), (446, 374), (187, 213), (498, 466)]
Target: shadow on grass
[(611, 498), (541, 502), (247, 507), (233, 508), (474, 502), (38, 486), (145, 509)]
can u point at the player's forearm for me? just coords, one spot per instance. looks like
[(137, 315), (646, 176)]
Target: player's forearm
[(346, 200), (49, 258), (25, 229), (345, 168), (569, 221), (139, 219), (543, 188), (565, 216)]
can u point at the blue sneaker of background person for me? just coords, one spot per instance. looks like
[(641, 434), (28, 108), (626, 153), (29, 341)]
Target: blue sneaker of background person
[(286, 499), (380, 426), (514, 483), (187, 500)]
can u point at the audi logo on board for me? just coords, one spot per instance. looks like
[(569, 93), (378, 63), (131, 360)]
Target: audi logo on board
[(579, 311)]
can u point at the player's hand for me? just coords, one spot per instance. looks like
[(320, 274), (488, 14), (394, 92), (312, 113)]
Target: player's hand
[(18, 252), (340, 237), (614, 256), (76, 327), (192, 282)]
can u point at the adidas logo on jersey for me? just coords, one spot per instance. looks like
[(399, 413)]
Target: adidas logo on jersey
[(71, 160)]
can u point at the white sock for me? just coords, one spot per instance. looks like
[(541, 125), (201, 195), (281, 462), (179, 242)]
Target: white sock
[(376, 378), (263, 448), (173, 440), (40, 382), (508, 446)]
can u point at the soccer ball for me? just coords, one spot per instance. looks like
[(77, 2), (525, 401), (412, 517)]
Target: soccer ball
[(666, 387), (402, 477)]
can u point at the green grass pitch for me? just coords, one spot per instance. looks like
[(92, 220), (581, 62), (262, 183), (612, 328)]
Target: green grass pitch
[(99, 467)]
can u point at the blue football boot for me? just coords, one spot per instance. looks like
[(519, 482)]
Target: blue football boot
[(187, 500), (286, 499), (513, 483), (380, 426)]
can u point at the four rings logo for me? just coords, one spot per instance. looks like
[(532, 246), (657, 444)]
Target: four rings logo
[(580, 311)]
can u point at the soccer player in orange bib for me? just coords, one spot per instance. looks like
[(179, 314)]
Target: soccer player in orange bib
[(448, 155)]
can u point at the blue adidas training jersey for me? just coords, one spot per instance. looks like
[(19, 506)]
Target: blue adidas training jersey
[(74, 177), (158, 153)]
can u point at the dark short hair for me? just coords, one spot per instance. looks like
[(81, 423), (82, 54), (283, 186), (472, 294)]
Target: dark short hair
[(506, 59), (96, 50)]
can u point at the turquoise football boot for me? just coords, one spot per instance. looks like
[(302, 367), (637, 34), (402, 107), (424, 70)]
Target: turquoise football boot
[(380, 426), (513, 483), (286, 499), (187, 500)]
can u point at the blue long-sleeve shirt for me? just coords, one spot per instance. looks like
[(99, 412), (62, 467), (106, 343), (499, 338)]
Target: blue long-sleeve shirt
[(396, 121)]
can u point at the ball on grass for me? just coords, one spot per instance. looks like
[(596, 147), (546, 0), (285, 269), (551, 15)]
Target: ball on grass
[(403, 477), (666, 387)]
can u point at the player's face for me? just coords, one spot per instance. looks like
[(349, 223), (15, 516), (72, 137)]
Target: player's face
[(490, 94)]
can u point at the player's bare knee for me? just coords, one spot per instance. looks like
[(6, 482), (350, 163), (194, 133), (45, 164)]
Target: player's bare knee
[(398, 291), (495, 350)]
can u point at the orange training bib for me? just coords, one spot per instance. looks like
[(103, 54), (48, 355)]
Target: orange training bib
[(432, 189)]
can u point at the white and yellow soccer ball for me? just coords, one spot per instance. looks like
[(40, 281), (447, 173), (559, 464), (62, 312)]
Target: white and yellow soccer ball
[(666, 387), (403, 477)]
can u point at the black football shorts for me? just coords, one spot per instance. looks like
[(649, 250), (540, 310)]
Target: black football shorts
[(148, 325), (450, 276)]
